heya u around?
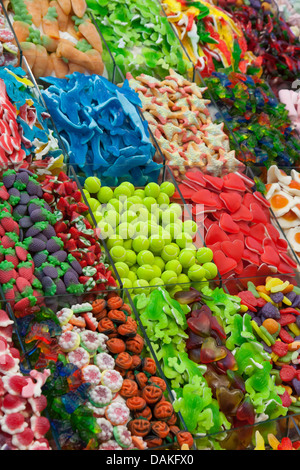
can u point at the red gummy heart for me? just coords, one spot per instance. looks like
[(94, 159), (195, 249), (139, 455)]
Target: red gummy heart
[(258, 231), (240, 268), (244, 227), (186, 192), (242, 214), (196, 176), (232, 200), (234, 181), (249, 199), (215, 246), (285, 258), (253, 245), (214, 181), (223, 263), (272, 231), (270, 256), (236, 236), (285, 268), (261, 199), (207, 198), (233, 249), (258, 214), (281, 244), (215, 234), (250, 256), (227, 224)]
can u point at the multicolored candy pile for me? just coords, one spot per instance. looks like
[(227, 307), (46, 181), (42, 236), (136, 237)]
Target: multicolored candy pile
[(102, 129), (8, 50), (236, 223), (180, 121), (57, 37)]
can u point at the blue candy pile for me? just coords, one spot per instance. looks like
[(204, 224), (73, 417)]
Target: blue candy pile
[(102, 129)]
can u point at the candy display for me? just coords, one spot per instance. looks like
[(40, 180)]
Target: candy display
[(255, 116), (104, 141), (149, 232), (236, 223), (179, 118), (139, 37), (57, 38), (210, 36)]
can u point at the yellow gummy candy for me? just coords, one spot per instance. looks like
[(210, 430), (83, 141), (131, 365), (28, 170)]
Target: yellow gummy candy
[(286, 301), (259, 441), (273, 441), (294, 329), (266, 297), (280, 287), (273, 282)]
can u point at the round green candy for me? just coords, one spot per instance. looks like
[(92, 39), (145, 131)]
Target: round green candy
[(125, 230), (86, 193), (196, 272), (118, 253), (174, 265), (145, 257), (142, 214), (168, 217), (122, 192), (112, 217), (158, 261), (140, 229), (174, 207), (105, 194), (114, 240), (187, 258), (134, 268), (132, 276), (174, 230), (130, 258), (128, 216), (134, 203), (149, 202), (184, 281), (141, 286), (93, 203), (156, 281), (210, 269), (126, 282), (153, 228), (157, 271), (140, 193), (169, 277), (128, 244), (163, 199), (128, 185), (190, 227), (166, 237), (98, 216), (200, 284), (184, 240), (168, 188), (89, 218), (152, 190), (156, 243), (170, 252), (204, 255), (92, 184), (140, 243), (145, 272), (115, 204), (122, 268), (106, 230)]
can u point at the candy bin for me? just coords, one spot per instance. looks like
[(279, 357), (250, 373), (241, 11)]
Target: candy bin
[(140, 37), (10, 53), (104, 391)]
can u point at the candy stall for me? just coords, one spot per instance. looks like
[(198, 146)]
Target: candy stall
[(149, 225)]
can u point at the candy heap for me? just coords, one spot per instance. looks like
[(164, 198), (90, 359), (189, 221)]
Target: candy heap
[(148, 239), (57, 37), (22, 426), (8, 50), (26, 134), (290, 11), (212, 39), (139, 36), (236, 223), (102, 128), (259, 122), (179, 119), (283, 191)]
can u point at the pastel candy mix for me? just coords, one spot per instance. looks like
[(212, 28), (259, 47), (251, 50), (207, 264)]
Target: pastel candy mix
[(139, 36), (110, 139), (8, 49), (179, 118), (57, 38), (237, 225)]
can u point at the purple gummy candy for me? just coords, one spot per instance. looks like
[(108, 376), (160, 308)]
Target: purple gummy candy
[(8, 180), (32, 207), (60, 255), (38, 274), (266, 347), (33, 231), (47, 207), (26, 171), (257, 320), (23, 177), (277, 298), (296, 302), (39, 259), (52, 246), (50, 271), (14, 192), (76, 266), (40, 192), (47, 282), (298, 321), (40, 236), (21, 235), (20, 210), (269, 311), (37, 245), (37, 215), (69, 279), (296, 386), (49, 231), (24, 198), (32, 188), (25, 222), (60, 287), (291, 296)]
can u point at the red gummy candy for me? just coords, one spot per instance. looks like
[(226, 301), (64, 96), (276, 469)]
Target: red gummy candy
[(286, 399), (285, 336), (287, 373), (280, 348), (286, 319)]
